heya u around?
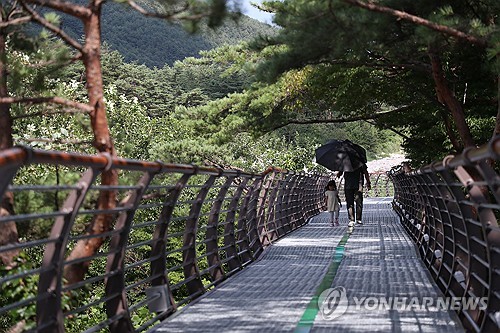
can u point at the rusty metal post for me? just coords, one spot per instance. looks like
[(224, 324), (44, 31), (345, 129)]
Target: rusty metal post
[(254, 202), (191, 271), (158, 247), (234, 259), (212, 234), (269, 220), (48, 308), (116, 303)]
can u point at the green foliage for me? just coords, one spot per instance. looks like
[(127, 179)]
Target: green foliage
[(163, 113), (19, 289), (22, 288), (129, 124), (349, 62), (209, 76)]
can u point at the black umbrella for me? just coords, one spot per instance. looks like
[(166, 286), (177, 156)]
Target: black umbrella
[(341, 155), (360, 150)]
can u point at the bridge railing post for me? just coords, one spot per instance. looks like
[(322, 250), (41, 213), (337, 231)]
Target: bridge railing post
[(233, 229)]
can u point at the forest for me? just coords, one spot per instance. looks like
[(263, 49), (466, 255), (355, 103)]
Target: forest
[(155, 42), (199, 83)]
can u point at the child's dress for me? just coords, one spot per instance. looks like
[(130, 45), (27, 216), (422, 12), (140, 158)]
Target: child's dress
[(333, 206)]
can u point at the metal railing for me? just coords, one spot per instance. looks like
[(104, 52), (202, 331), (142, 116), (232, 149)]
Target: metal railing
[(451, 210), (179, 231), (381, 186)]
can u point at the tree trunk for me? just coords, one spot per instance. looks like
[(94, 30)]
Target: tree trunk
[(8, 231), (102, 141), (449, 130), (496, 131), (5, 117), (446, 97)]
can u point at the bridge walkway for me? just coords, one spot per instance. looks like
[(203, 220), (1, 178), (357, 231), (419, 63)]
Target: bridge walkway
[(375, 271)]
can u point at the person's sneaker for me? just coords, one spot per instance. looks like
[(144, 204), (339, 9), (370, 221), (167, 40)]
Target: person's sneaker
[(351, 224), (359, 222), (337, 224)]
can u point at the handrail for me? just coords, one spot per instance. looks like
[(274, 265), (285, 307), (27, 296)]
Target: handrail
[(450, 209), (179, 231)]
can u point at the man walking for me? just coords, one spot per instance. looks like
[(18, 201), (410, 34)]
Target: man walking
[(353, 190)]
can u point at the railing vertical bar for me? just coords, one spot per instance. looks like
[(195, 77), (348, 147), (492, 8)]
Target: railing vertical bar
[(115, 284), (294, 204), (212, 234), (158, 247), (270, 221), (235, 261), (51, 278), (253, 215), (263, 209), (288, 223), (191, 271), (280, 206)]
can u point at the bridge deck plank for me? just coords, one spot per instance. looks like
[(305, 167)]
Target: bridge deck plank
[(272, 294)]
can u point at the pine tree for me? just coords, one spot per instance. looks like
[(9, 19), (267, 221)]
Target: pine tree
[(44, 13), (433, 51)]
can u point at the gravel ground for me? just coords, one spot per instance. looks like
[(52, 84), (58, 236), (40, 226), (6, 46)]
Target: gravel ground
[(385, 164)]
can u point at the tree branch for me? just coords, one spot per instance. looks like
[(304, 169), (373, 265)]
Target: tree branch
[(56, 30), (392, 129), (496, 131), (340, 120), (446, 96), (39, 114), (419, 21), (66, 7), (169, 16), (78, 56), (51, 99), (421, 67), (77, 142), (16, 21), (449, 130), (16, 16)]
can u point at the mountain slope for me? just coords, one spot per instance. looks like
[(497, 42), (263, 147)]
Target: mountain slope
[(155, 42)]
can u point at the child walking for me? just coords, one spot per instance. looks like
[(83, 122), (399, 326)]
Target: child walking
[(332, 202)]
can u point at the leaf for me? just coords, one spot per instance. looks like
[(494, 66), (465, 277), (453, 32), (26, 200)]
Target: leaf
[(446, 11), (53, 18)]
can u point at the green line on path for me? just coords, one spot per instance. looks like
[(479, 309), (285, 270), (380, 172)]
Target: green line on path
[(307, 320)]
